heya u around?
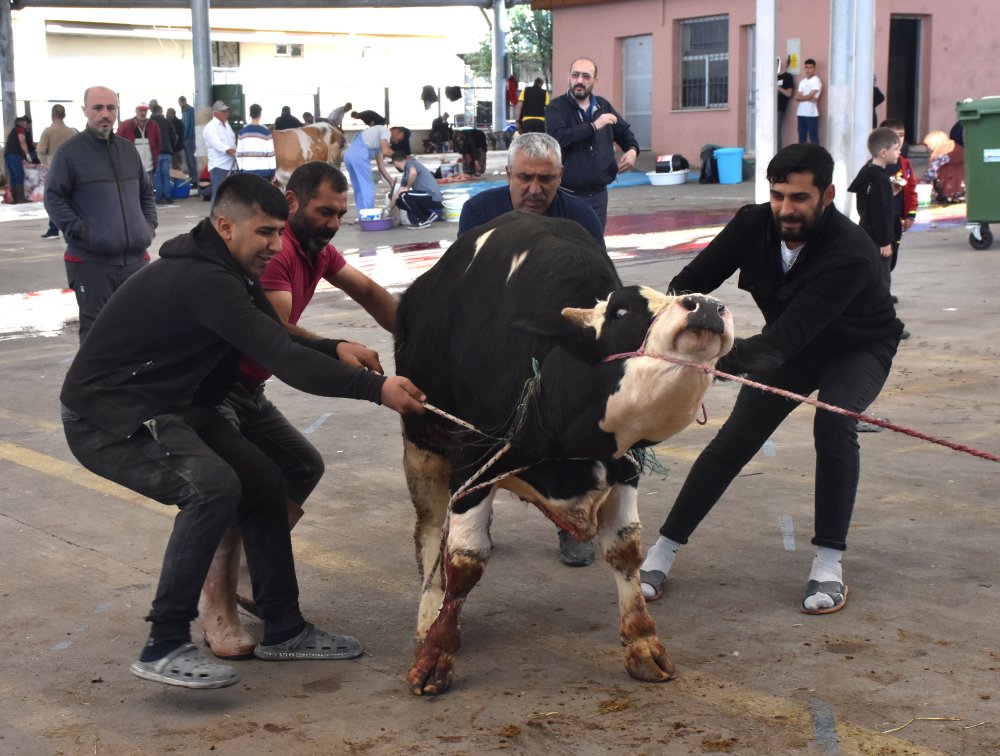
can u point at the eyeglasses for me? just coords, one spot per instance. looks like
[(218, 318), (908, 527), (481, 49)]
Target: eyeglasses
[(580, 75)]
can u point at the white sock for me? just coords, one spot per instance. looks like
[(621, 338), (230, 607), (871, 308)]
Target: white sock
[(659, 557), (826, 566)]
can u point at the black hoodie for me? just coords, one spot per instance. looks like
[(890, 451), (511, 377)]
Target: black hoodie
[(875, 203), (182, 319), (834, 297)]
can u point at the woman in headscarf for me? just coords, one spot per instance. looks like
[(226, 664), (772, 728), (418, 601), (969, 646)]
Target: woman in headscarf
[(946, 167)]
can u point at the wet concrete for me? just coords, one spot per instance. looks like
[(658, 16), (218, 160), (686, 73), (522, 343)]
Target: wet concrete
[(541, 668)]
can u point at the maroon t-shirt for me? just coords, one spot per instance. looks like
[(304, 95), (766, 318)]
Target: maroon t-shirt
[(292, 270)]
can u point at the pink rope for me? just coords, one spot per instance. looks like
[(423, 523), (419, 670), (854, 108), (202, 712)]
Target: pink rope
[(641, 352)]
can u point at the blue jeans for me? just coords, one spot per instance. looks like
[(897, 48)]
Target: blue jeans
[(15, 171), (217, 175), (848, 379), (192, 160), (809, 129), (358, 161), (163, 185), (194, 459)]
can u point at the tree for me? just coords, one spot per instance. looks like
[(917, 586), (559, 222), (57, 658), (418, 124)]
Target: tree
[(529, 43), (529, 46)]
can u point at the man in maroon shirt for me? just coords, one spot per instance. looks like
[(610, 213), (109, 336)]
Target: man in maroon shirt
[(317, 199)]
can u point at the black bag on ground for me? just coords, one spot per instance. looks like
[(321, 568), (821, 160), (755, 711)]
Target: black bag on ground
[(709, 167)]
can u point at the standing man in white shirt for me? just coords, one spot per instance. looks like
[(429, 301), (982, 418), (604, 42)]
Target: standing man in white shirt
[(220, 143), (807, 95)]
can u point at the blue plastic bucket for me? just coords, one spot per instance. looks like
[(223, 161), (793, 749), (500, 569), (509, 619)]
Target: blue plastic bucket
[(180, 188), (730, 161)]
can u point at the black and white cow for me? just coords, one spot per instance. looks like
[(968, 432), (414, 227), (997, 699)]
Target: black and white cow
[(527, 288)]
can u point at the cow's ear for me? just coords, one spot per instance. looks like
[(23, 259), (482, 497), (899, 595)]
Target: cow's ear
[(571, 330), (580, 317)]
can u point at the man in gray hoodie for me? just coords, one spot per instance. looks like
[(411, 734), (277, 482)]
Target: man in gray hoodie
[(98, 194)]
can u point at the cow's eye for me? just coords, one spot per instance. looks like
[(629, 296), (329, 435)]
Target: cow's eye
[(621, 312)]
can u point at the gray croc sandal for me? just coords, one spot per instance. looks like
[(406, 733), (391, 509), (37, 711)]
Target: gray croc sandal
[(655, 580), (833, 589), (187, 667), (311, 643)]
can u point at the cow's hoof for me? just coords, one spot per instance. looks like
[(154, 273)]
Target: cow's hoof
[(431, 675), (646, 659)]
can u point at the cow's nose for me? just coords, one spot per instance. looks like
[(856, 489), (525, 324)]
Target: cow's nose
[(690, 303)]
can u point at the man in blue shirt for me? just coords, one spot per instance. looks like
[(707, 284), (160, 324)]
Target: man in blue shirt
[(534, 172), (187, 118)]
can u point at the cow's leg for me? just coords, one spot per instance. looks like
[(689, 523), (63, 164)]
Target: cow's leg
[(427, 477), (468, 549), (645, 657)]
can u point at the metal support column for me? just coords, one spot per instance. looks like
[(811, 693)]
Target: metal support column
[(499, 77), (767, 95), (849, 91), (7, 68), (201, 52)]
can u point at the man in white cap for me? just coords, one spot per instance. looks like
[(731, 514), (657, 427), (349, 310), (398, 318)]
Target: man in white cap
[(220, 143)]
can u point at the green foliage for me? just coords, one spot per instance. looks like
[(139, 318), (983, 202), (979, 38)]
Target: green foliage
[(481, 61), (529, 46), (529, 43)]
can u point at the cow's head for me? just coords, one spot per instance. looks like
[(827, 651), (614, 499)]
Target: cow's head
[(692, 327)]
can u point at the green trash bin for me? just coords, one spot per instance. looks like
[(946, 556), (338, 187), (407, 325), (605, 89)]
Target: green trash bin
[(981, 124)]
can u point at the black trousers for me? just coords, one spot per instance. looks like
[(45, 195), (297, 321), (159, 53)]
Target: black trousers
[(849, 379), (419, 206), (196, 460), (265, 427), (94, 283), (597, 200)]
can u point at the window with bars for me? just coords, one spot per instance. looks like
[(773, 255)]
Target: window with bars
[(704, 62)]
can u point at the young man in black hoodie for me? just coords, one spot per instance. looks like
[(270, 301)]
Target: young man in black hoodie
[(139, 409), (829, 326)]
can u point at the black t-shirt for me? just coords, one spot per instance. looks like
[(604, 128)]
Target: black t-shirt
[(785, 81), (13, 145)]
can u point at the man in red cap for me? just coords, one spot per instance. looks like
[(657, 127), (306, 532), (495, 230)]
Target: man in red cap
[(145, 135)]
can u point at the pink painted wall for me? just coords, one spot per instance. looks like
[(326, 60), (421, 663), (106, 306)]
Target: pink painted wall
[(959, 58)]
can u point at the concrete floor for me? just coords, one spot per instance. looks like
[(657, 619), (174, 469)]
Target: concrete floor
[(541, 667)]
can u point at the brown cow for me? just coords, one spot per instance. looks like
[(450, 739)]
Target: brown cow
[(293, 147)]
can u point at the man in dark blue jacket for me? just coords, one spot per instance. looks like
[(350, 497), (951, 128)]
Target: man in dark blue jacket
[(534, 170), (587, 128), (139, 408), (99, 195)]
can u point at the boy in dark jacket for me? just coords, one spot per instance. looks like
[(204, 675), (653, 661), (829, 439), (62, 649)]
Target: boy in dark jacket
[(905, 202), (875, 191)]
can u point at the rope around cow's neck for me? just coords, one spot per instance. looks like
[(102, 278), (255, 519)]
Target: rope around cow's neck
[(641, 352)]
